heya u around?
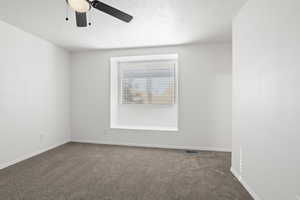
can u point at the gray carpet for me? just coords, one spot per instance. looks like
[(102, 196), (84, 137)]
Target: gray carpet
[(88, 172)]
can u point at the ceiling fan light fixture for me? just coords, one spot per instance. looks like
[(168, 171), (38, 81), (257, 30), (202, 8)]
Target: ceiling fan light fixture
[(81, 6)]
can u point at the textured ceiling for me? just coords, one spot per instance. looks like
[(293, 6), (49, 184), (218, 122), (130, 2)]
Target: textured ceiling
[(155, 23)]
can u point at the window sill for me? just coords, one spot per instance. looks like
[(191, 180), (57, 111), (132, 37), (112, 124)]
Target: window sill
[(169, 129)]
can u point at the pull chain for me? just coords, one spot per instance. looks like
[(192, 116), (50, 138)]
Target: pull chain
[(67, 12), (89, 17)]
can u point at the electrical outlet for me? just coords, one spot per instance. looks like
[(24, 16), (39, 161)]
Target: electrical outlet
[(42, 136)]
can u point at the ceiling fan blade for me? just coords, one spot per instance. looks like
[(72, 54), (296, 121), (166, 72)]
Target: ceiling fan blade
[(111, 11), (81, 19)]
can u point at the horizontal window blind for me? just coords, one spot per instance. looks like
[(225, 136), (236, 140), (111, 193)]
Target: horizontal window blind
[(147, 83)]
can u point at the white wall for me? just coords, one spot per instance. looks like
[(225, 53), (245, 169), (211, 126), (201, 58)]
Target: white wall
[(204, 99), (266, 98), (34, 95)]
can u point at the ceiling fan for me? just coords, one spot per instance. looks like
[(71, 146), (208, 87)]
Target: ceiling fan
[(81, 8)]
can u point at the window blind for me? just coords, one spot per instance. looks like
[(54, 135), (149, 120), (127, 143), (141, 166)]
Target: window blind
[(147, 83)]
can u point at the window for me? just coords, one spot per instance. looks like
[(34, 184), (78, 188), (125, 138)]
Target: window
[(144, 92), (147, 83)]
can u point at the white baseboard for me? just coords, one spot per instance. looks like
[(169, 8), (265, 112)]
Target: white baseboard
[(236, 174), (29, 155), (245, 184), (220, 149)]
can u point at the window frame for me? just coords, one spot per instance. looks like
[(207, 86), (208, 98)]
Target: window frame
[(114, 87)]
